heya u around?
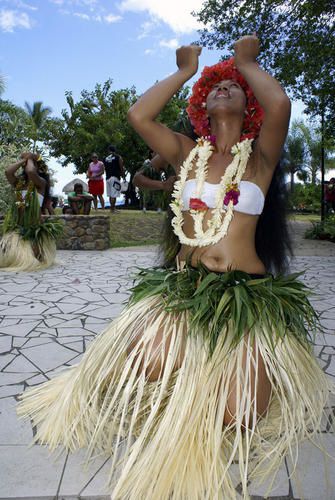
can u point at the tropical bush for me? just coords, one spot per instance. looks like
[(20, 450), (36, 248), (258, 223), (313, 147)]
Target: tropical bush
[(305, 198), (9, 153), (324, 230)]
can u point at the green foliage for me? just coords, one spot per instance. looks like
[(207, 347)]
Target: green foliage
[(38, 115), (215, 301), (99, 119), (15, 126), (306, 198), (324, 230), (297, 43), (9, 153), (294, 156)]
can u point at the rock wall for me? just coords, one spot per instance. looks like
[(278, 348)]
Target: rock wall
[(84, 232)]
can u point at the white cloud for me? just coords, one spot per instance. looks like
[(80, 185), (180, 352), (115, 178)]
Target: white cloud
[(24, 5), (111, 18), (169, 44), (149, 52), (10, 19), (146, 29), (175, 13), (82, 16)]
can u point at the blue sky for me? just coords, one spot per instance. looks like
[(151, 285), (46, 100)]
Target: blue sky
[(50, 46)]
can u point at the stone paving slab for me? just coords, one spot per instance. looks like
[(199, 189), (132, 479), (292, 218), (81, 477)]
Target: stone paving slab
[(47, 320)]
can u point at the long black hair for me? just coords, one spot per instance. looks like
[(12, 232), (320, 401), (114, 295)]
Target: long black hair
[(272, 240)]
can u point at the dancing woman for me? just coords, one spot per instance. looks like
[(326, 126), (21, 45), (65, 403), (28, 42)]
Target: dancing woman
[(28, 244), (210, 364)]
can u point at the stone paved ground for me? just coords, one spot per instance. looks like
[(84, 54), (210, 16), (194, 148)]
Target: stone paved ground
[(46, 321)]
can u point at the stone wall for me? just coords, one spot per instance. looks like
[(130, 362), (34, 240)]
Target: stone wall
[(84, 232)]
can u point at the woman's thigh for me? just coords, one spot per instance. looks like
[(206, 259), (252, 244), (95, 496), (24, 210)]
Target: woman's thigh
[(249, 377)]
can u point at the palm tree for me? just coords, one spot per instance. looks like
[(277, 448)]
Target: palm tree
[(294, 157), (313, 141), (2, 84), (38, 114)]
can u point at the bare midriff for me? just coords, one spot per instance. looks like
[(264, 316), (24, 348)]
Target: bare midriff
[(235, 251)]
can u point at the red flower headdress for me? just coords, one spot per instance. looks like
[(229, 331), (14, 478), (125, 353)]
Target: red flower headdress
[(224, 70)]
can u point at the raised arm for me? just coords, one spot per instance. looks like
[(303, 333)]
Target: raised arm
[(142, 181), (271, 97), (142, 115), (33, 176), (12, 169), (122, 169)]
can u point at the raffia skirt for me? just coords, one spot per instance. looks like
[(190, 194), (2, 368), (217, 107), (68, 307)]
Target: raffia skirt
[(18, 254), (175, 444)]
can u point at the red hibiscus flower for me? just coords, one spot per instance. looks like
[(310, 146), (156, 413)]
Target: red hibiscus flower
[(197, 204)]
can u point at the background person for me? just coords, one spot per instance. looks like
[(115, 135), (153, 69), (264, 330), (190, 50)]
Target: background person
[(330, 195), (95, 173), (28, 243), (114, 168), (79, 200)]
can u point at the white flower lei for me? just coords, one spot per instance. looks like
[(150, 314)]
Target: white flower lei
[(221, 218)]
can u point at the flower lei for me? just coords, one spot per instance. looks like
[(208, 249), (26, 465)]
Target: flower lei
[(227, 193)]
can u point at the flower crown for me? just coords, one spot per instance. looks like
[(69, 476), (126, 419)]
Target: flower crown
[(210, 76)]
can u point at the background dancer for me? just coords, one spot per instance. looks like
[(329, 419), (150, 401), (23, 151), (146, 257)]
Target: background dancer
[(28, 243)]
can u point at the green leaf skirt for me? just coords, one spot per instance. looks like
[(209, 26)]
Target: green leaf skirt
[(279, 304)]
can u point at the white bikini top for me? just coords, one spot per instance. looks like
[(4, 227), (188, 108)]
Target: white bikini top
[(39, 196), (251, 199)]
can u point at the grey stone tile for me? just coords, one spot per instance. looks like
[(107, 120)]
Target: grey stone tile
[(10, 390), (21, 365), (72, 332), (5, 359), (57, 356), (19, 341), (95, 321), (5, 343), (78, 474), (36, 380), (72, 323), (51, 332), (31, 342), (314, 478), (24, 310), (100, 327), (90, 297), (12, 430), (108, 312), (29, 472), (9, 321), (120, 298), (279, 488), (14, 378), (76, 346), (20, 330), (70, 308)]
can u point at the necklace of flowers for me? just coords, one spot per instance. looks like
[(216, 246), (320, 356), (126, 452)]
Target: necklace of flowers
[(226, 197)]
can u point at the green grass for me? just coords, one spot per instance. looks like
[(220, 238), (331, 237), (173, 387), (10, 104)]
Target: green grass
[(135, 228), (305, 217)]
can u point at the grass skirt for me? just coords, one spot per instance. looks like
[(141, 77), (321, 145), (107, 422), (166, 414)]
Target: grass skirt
[(17, 254), (182, 450)]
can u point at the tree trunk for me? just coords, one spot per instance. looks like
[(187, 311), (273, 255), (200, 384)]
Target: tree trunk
[(292, 181)]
